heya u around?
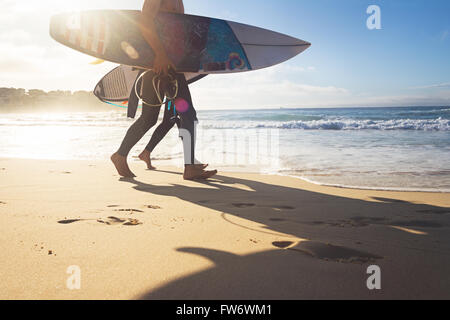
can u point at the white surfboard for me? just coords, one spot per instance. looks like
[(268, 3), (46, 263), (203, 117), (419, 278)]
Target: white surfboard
[(118, 84)]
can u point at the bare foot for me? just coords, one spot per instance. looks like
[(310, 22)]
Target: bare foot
[(121, 165), (201, 165), (145, 156), (196, 172)]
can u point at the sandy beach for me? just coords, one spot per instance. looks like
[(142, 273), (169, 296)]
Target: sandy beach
[(238, 236)]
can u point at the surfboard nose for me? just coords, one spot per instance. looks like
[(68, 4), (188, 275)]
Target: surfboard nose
[(247, 34), (306, 43), (265, 48), (303, 45)]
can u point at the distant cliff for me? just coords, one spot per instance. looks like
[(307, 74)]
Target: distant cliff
[(15, 100)]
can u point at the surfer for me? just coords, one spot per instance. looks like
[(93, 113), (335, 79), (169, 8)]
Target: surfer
[(187, 116), (169, 120)]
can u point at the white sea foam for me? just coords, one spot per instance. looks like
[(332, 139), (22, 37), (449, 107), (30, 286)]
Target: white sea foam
[(337, 124)]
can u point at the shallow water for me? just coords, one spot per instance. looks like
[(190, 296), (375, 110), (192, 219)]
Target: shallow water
[(381, 148)]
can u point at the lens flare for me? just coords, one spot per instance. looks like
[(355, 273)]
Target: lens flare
[(181, 105)]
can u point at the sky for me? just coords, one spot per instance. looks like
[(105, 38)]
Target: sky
[(405, 63)]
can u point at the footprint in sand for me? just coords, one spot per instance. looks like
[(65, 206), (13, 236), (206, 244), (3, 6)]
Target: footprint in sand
[(251, 205), (110, 221), (434, 211), (328, 252), (69, 221), (277, 220), (244, 205), (358, 222), (132, 222), (355, 222), (282, 244), (129, 210), (340, 223), (153, 207), (281, 208)]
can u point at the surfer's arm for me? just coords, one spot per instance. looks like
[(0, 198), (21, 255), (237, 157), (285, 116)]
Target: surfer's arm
[(148, 29)]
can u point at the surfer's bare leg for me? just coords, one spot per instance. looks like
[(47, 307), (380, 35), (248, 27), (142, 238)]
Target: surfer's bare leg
[(147, 120), (140, 127), (159, 134), (146, 157), (120, 162)]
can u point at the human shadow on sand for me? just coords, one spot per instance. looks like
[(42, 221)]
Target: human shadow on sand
[(410, 242)]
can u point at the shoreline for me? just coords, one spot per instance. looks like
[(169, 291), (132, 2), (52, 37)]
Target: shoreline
[(231, 171), (393, 189)]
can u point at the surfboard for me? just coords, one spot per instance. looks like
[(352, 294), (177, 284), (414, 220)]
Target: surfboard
[(195, 44), (117, 85)]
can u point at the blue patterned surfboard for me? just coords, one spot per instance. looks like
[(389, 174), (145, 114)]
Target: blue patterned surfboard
[(195, 44)]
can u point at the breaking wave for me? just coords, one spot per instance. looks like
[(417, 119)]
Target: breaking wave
[(337, 124)]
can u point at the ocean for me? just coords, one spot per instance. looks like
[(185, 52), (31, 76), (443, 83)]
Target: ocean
[(405, 148)]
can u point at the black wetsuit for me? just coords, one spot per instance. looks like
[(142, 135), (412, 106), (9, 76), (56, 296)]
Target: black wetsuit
[(169, 120), (150, 115)]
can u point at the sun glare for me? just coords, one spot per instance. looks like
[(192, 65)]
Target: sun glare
[(58, 6)]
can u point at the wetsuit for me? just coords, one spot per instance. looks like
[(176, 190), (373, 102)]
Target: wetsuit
[(149, 117), (169, 120)]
